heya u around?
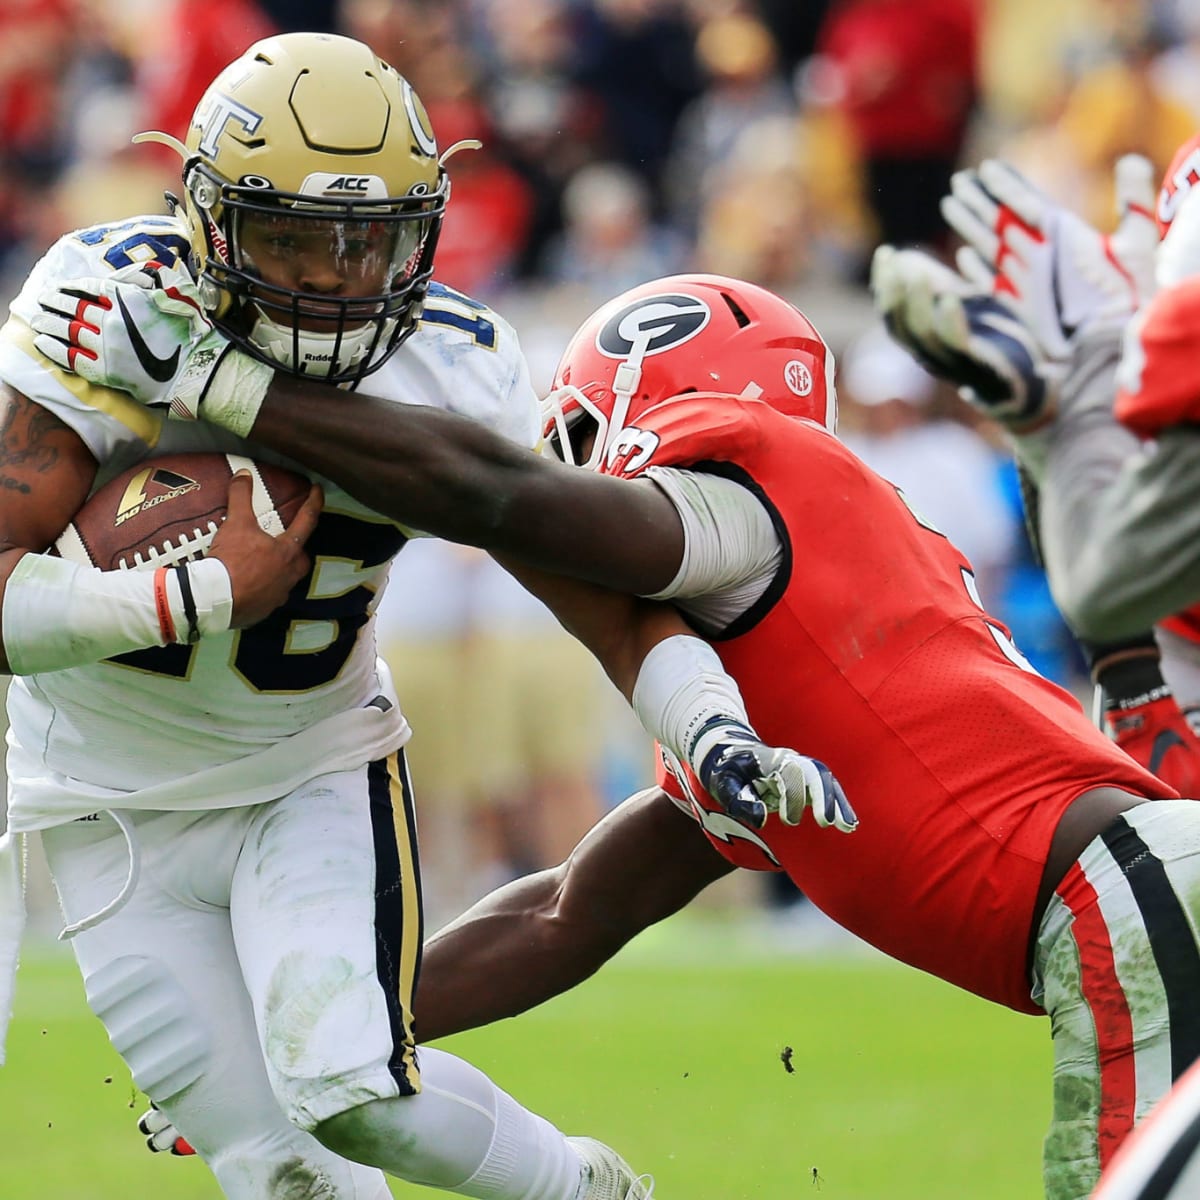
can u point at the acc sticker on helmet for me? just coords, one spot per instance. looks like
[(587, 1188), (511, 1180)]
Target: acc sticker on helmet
[(327, 184), (653, 325)]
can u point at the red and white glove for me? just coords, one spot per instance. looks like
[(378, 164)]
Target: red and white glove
[(1156, 734), (127, 331), (1055, 270), (161, 1135), (143, 330)]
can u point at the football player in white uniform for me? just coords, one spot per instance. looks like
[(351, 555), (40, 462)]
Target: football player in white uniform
[(228, 817)]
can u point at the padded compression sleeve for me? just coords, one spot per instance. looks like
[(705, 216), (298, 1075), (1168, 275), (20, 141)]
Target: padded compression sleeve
[(731, 550)]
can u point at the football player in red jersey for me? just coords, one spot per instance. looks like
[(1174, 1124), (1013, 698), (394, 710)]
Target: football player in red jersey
[(1005, 844)]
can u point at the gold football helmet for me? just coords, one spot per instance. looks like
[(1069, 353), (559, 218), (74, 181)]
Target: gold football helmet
[(314, 197)]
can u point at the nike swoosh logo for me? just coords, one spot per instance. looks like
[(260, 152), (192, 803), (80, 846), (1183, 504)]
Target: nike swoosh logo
[(1163, 741), (159, 369)]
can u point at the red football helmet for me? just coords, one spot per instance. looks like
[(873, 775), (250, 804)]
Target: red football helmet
[(1182, 175), (685, 333)]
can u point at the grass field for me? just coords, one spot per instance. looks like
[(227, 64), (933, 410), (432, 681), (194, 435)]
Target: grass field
[(903, 1088)]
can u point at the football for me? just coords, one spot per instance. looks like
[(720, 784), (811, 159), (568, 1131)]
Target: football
[(165, 511)]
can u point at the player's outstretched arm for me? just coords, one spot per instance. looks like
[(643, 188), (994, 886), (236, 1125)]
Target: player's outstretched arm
[(454, 478), (545, 933), (423, 467)]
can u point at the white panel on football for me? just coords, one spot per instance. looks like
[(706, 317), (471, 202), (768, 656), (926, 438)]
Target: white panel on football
[(264, 506), (70, 546)]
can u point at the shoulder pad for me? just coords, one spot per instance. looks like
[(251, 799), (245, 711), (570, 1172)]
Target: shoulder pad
[(697, 427)]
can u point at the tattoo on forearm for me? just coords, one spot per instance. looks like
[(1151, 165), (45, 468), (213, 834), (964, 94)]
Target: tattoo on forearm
[(27, 432)]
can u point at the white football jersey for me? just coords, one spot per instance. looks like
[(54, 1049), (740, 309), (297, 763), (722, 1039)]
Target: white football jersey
[(157, 718)]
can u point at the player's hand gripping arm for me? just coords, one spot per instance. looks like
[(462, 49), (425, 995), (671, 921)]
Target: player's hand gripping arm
[(139, 330)]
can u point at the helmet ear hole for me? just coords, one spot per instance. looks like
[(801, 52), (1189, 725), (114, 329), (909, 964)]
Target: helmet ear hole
[(204, 191)]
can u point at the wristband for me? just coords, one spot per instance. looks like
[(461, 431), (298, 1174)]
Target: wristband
[(162, 606), (1129, 673), (212, 596), (189, 603), (221, 385)]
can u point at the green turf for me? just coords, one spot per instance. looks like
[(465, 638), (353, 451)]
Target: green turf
[(903, 1088)]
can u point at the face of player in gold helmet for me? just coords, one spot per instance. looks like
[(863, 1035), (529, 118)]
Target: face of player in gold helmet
[(330, 264)]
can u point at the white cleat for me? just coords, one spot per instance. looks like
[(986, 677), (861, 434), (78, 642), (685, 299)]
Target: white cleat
[(609, 1176)]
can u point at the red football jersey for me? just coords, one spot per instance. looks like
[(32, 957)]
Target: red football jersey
[(1158, 384), (872, 653)]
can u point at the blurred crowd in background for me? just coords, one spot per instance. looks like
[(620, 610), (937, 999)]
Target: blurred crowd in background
[(775, 140)]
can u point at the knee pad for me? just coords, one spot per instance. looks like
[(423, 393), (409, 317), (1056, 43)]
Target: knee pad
[(293, 1167), (150, 1024)]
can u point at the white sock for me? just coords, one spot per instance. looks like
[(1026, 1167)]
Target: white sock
[(470, 1137)]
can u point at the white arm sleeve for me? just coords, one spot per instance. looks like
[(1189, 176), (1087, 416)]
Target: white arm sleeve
[(60, 614), (681, 690), (731, 551)]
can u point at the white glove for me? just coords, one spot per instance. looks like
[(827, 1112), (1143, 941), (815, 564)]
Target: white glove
[(750, 780), (128, 331), (161, 1135), (1058, 273), (961, 332), (144, 331)]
